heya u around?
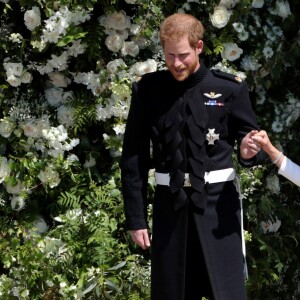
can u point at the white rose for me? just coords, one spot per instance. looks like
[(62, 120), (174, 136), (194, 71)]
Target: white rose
[(114, 65), (30, 129), (231, 51), (13, 80), (118, 21), (65, 115), (15, 69), (6, 127), (49, 176), (39, 225), (26, 77), (54, 96), (220, 17), (258, 3), (15, 189), (130, 48), (141, 68), (283, 9), (32, 18), (228, 3), (58, 79), (114, 42), (17, 203), (4, 169)]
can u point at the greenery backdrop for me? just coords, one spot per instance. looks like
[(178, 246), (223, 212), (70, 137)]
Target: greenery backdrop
[(65, 78)]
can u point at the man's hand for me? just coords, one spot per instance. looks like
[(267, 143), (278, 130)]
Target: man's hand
[(140, 237), (249, 147)]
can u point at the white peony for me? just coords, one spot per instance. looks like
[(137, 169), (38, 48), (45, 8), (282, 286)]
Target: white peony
[(118, 21), (65, 116), (6, 127), (282, 9), (258, 3), (220, 17), (15, 189), (141, 68), (17, 203), (15, 69), (130, 48), (26, 77), (114, 65), (58, 79), (32, 18), (54, 96), (114, 42), (49, 176), (231, 51), (39, 225), (14, 80), (4, 169)]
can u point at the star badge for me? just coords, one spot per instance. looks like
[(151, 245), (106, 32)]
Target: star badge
[(211, 137)]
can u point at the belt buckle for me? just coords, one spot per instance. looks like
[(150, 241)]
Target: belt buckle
[(187, 181)]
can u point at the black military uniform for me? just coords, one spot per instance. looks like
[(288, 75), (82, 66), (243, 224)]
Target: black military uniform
[(193, 126)]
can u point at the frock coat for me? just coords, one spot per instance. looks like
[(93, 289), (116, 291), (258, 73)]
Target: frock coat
[(188, 127)]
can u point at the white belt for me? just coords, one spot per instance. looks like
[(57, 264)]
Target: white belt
[(209, 177)]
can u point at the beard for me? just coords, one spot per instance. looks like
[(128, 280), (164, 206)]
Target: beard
[(184, 71)]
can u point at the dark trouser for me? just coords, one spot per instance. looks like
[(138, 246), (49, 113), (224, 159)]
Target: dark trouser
[(197, 281)]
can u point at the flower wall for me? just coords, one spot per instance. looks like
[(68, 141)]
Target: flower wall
[(65, 88)]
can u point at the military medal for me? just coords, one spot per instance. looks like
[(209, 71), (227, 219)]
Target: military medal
[(211, 137)]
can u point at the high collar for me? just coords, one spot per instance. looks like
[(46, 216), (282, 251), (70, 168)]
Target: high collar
[(194, 78)]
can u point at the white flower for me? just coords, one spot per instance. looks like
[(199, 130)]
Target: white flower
[(15, 69), (30, 129), (130, 1), (141, 68), (26, 77), (268, 52), (130, 48), (220, 17), (114, 65), (4, 169), (258, 3), (76, 48), (229, 3), (114, 42), (277, 126), (231, 51), (54, 96), (49, 176), (118, 21), (119, 128), (270, 226), (273, 184), (16, 38), (243, 36), (65, 115), (15, 189), (6, 127), (249, 63), (14, 80), (39, 225), (283, 9), (32, 18), (17, 202), (58, 79), (91, 162), (238, 27)]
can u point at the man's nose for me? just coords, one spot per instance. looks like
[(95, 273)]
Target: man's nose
[(177, 62)]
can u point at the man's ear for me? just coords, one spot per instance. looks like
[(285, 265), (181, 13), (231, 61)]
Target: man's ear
[(199, 46)]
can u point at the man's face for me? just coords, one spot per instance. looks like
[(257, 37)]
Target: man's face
[(181, 59)]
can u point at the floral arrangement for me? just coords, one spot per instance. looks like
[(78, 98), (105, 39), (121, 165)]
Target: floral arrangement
[(65, 90)]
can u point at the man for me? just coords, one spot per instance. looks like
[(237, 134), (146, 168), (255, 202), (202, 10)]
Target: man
[(192, 116)]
